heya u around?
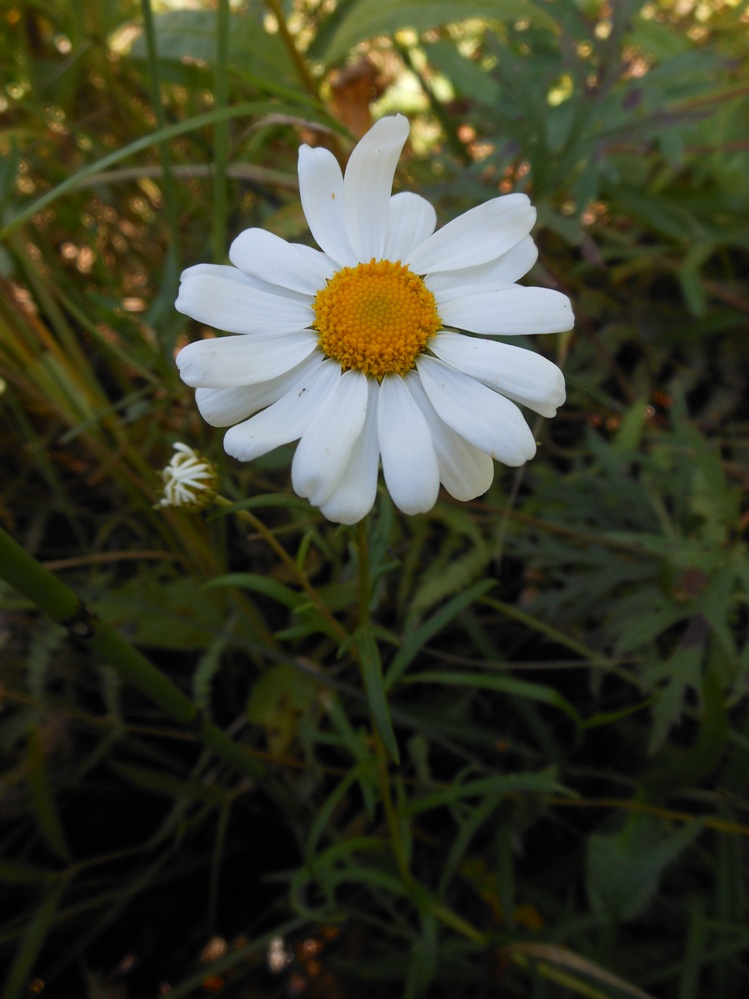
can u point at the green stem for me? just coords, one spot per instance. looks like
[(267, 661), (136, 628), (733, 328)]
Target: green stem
[(362, 545), (445, 120), (57, 601), (414, 889), (169, 190), (308, 81), (382, 758), (221, 132)]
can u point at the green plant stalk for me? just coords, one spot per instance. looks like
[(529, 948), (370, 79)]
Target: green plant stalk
[(307, 79), (414, 889), (56, 600), (453, 139), (221, 133), (171, 267), (383, 763)]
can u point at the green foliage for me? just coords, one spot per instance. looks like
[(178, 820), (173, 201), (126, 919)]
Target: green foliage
[(624, 868), (500, 748)]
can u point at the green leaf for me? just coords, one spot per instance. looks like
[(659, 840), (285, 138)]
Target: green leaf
[(163, 613), (684, 670), (18, 872), (625, 867), (573, 972), (279, 699), (371, 666), (415, 640), (260, 584), (369, 18), (190, 35), (503, 684), (159, 782), (495, 787), (32, 942), (425, 953), (244, 110), (265, 501), (43, 799), (469, 78)]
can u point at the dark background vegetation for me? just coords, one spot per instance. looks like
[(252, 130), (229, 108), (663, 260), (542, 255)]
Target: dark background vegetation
[(566, 659)]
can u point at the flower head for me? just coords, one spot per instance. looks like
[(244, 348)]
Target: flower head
[(190, 481), (374, 347)]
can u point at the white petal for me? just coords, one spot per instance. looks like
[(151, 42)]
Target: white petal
[(510, 311), (235, 306), (222, 362), (287, 419), (368, 183), (409, 462), (223, 407), (327, 442), (214, 270), (411, 220), (485, 418), (503, 271), (522, 375), (465, 471), (355, 494), (250, 281), (266, 256), (479, 235), (321, 192)]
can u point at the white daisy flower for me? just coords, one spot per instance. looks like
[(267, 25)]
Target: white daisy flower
[(190, 481), (373, 348)]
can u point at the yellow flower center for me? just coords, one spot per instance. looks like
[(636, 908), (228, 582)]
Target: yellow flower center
[(375, 318)]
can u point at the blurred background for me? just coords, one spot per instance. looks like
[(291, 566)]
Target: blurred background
[(567, 658)]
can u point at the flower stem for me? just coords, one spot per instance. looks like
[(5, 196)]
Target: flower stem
[(168, 187), (221, 132), (362, 545), (382, 758), (57, 601)]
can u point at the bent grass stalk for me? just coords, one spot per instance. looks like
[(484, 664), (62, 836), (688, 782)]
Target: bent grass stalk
[(60, 603)]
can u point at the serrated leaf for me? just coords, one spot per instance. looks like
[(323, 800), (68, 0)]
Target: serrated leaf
[(625, 867)]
